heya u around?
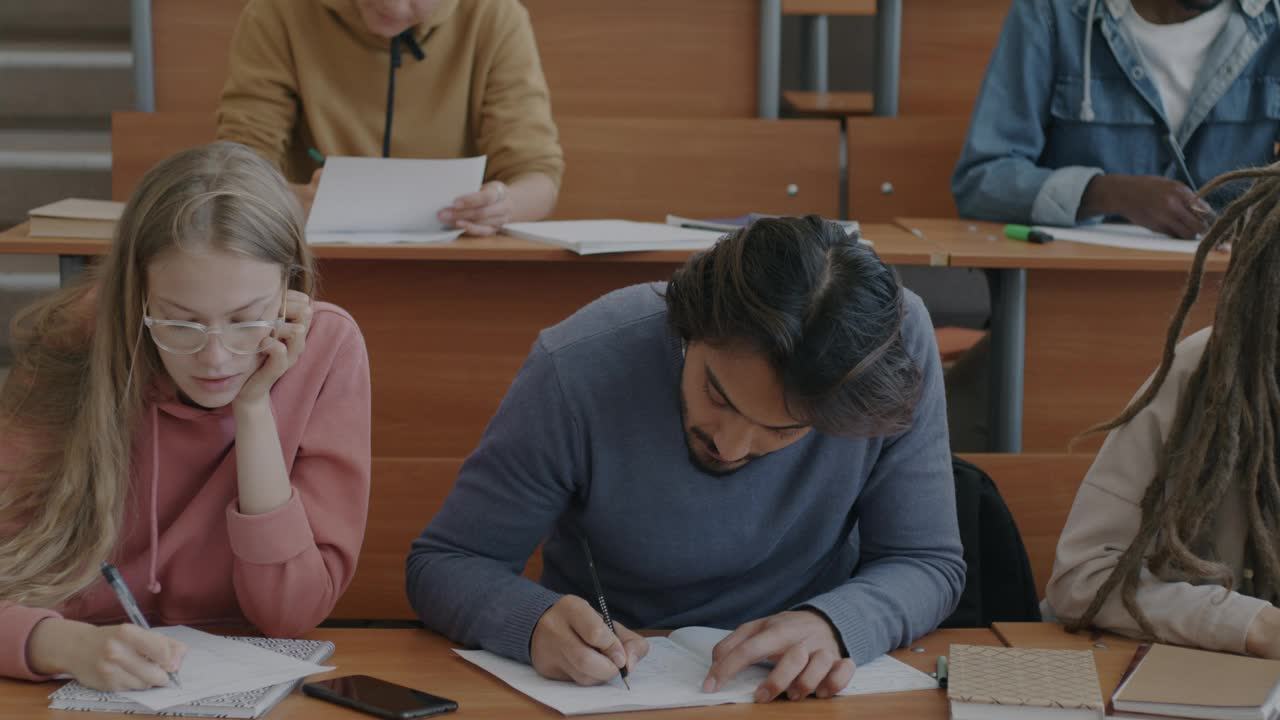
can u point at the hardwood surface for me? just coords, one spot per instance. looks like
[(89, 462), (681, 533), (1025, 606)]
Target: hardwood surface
[(645, 168), (946, 46), (425, 661), (1095, 325), (829, 104), (1111, 653), (628, 168), (1039, 489), (846, 8), (913, 155)]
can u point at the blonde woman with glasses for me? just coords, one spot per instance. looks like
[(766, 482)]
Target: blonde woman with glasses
[(188, 414)]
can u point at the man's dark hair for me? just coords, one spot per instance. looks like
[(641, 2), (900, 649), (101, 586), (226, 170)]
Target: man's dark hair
[(820, 306)]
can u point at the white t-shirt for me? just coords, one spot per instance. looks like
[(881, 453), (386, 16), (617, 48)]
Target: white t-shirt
[(1175, 53)]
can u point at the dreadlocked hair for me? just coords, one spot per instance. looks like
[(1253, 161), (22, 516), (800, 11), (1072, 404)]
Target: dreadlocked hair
[(1228, 416)]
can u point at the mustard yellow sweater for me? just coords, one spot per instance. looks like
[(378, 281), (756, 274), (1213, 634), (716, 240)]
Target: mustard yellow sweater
[(306, 73)]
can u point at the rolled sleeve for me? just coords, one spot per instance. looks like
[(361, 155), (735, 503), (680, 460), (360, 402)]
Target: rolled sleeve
[(1058, 202)]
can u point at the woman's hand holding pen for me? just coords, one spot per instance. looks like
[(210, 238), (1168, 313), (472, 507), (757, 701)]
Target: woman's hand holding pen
[(110, 659), (801, 644), (572, 642)]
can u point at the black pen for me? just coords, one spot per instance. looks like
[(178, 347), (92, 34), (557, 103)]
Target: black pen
[(604, 609), (130, 605)]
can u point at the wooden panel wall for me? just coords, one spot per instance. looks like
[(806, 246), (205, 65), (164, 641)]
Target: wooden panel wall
[(1085, 358), (1039, 490), (914, 154)]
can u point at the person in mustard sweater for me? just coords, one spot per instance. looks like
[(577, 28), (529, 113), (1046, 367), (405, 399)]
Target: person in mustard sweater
[(398, 78), (189, 414), (1173, 534)]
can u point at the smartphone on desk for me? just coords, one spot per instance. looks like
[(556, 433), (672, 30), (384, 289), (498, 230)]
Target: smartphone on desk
[(379, 697)]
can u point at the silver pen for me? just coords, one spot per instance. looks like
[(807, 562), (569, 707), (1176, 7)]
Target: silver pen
[(130, 605)]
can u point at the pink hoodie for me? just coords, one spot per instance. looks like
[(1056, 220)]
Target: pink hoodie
[(188, 554)]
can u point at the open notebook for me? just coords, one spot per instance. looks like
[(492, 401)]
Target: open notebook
[(671, 676), (261, 664)]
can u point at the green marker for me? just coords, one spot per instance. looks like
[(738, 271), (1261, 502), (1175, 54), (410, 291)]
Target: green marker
[(315, 155), (1027, 234)]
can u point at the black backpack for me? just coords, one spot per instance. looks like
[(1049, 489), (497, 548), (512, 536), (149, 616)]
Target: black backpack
[(999, 586)]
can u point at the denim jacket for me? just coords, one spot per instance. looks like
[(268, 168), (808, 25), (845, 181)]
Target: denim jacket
[(1033, 144)]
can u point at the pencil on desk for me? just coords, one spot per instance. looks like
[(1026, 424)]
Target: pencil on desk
[(604, 609)]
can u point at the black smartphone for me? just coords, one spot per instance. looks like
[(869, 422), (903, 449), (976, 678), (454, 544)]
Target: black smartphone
[(379, 697)]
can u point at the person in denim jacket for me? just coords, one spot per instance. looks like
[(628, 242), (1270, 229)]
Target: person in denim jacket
[(1105, 108)]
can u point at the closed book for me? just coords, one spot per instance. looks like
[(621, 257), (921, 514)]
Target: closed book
[(995, 683), (76, 218), (1180, 682)]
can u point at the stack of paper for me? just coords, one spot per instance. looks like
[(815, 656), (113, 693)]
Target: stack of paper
[(379, 201), (221, 677), (671, 676), (1121, 235), (76, 218), (591, 237)]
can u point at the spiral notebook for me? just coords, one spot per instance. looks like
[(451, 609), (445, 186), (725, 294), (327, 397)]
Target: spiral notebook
[(249, 704)]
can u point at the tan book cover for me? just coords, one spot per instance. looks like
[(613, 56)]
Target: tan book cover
[(1172, 675), (75, 217), (1025, 677)]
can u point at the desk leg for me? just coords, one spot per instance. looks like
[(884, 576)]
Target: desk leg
[(1008, 345), (70, 267)]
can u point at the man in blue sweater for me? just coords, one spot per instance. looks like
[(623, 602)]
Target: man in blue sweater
[(760, 443)]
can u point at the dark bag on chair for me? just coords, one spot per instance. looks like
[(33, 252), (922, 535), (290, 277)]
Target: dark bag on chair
[(999, 586)]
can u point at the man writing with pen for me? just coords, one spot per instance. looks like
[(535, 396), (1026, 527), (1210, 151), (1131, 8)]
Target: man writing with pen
[(1121, 108), (758, 445)]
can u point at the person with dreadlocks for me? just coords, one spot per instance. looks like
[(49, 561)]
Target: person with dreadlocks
[(1175, 533)]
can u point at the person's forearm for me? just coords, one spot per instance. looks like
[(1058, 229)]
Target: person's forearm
[(1096, 201), (533, 197), (262, 477)]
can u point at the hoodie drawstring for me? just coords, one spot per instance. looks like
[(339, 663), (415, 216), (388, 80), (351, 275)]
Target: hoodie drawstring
[(154, 585), (407, 38), (1086, 103)]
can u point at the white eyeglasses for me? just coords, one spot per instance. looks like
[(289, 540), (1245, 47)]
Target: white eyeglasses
[(188, 338)]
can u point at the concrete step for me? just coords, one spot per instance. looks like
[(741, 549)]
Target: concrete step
[(65, 18), (64, 79)]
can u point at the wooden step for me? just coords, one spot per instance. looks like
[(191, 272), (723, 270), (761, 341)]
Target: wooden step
[(829, 104), (840, 8)]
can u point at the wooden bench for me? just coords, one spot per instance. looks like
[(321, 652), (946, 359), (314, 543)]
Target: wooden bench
[(1039, 490), (630, 168)]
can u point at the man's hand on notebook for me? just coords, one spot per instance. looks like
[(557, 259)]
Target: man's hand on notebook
[(572, 642), (801, 644)]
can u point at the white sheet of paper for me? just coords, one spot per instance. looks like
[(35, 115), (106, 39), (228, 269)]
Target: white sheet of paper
[(591, 237), (1122, 236), (218, 666), (372, 196), (422, 238), (671, 676)]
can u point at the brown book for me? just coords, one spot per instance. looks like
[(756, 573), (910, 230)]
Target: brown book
[(76, 218), (996, 683), (1179, 682)]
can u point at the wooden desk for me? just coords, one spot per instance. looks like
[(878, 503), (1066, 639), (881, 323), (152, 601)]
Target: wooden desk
[(1111, 653), (423, 660), (1075, 328)]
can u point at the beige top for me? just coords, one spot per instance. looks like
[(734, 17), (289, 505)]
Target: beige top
[(307, 73), (1105, 519)]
